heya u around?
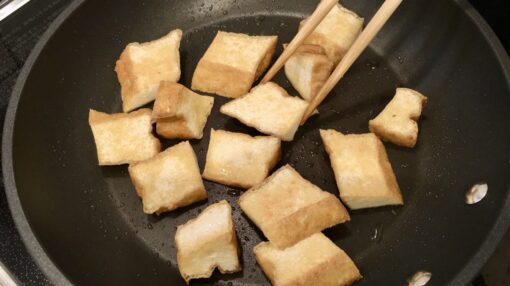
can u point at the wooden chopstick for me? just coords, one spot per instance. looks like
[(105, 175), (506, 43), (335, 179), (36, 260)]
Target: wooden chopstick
[(311, 23), (373, 27)]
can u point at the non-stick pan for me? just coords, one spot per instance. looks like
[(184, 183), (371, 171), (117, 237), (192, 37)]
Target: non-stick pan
[(84, 224)]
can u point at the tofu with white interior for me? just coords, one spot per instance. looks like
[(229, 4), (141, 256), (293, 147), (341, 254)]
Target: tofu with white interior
[(238, 159), (179, 112), (398, 122), (288, 208), (336, 32), (142, 66), (207, 242), (315, 260), (362, 170), (308, 69), (269, 109), (169, 180), (232, 63), (123, 138)]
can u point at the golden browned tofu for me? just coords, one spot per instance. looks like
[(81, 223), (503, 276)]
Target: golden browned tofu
[(308, 69), (123, 138), (179, 112), (237, 159), (363, 173), (269, 109), (208, 242), (232, 63), (315, 260), (336, 32), (288, 208), (142, 66), (169, 180), (397, 123)]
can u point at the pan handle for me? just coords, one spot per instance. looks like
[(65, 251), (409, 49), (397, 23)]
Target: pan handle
[(7, 7), (6, 279)]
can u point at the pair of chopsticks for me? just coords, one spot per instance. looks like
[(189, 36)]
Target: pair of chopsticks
[(373, 27)]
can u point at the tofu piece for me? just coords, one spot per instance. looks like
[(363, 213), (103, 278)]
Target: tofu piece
[(123, 138), (308, 69), (232, 63), (397, 123), (363, 173), (269, 109), (168, 180), (142, 66), (179, 112), (315, 260), (288, 208), (240, 160), (207, 242), (336, 33)]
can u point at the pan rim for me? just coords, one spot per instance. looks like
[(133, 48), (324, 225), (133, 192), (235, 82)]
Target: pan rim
[(32, 244), (54, 274)]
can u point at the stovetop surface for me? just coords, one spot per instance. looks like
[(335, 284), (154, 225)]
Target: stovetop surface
[(20, 32)]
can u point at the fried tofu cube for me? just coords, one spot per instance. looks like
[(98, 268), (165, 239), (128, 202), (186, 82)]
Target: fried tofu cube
[(308, 69), (207, 242), (179, 112), (123, 138), (315, 260), (336, 32), (269, 109), (142, 66), (168, 180), (240, 160), (397, 123), (288, 208), (232, 63), (362, 170)]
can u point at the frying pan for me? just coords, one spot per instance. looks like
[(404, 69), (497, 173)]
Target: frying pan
[(84, 224)]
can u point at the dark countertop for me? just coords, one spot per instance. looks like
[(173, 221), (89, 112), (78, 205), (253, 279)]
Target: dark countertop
[(20, 32)]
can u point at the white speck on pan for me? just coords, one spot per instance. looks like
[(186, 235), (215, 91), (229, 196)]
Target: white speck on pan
[(420, 278), (476, 193)]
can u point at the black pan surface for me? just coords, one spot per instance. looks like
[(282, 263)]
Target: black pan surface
[(84, 224)]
